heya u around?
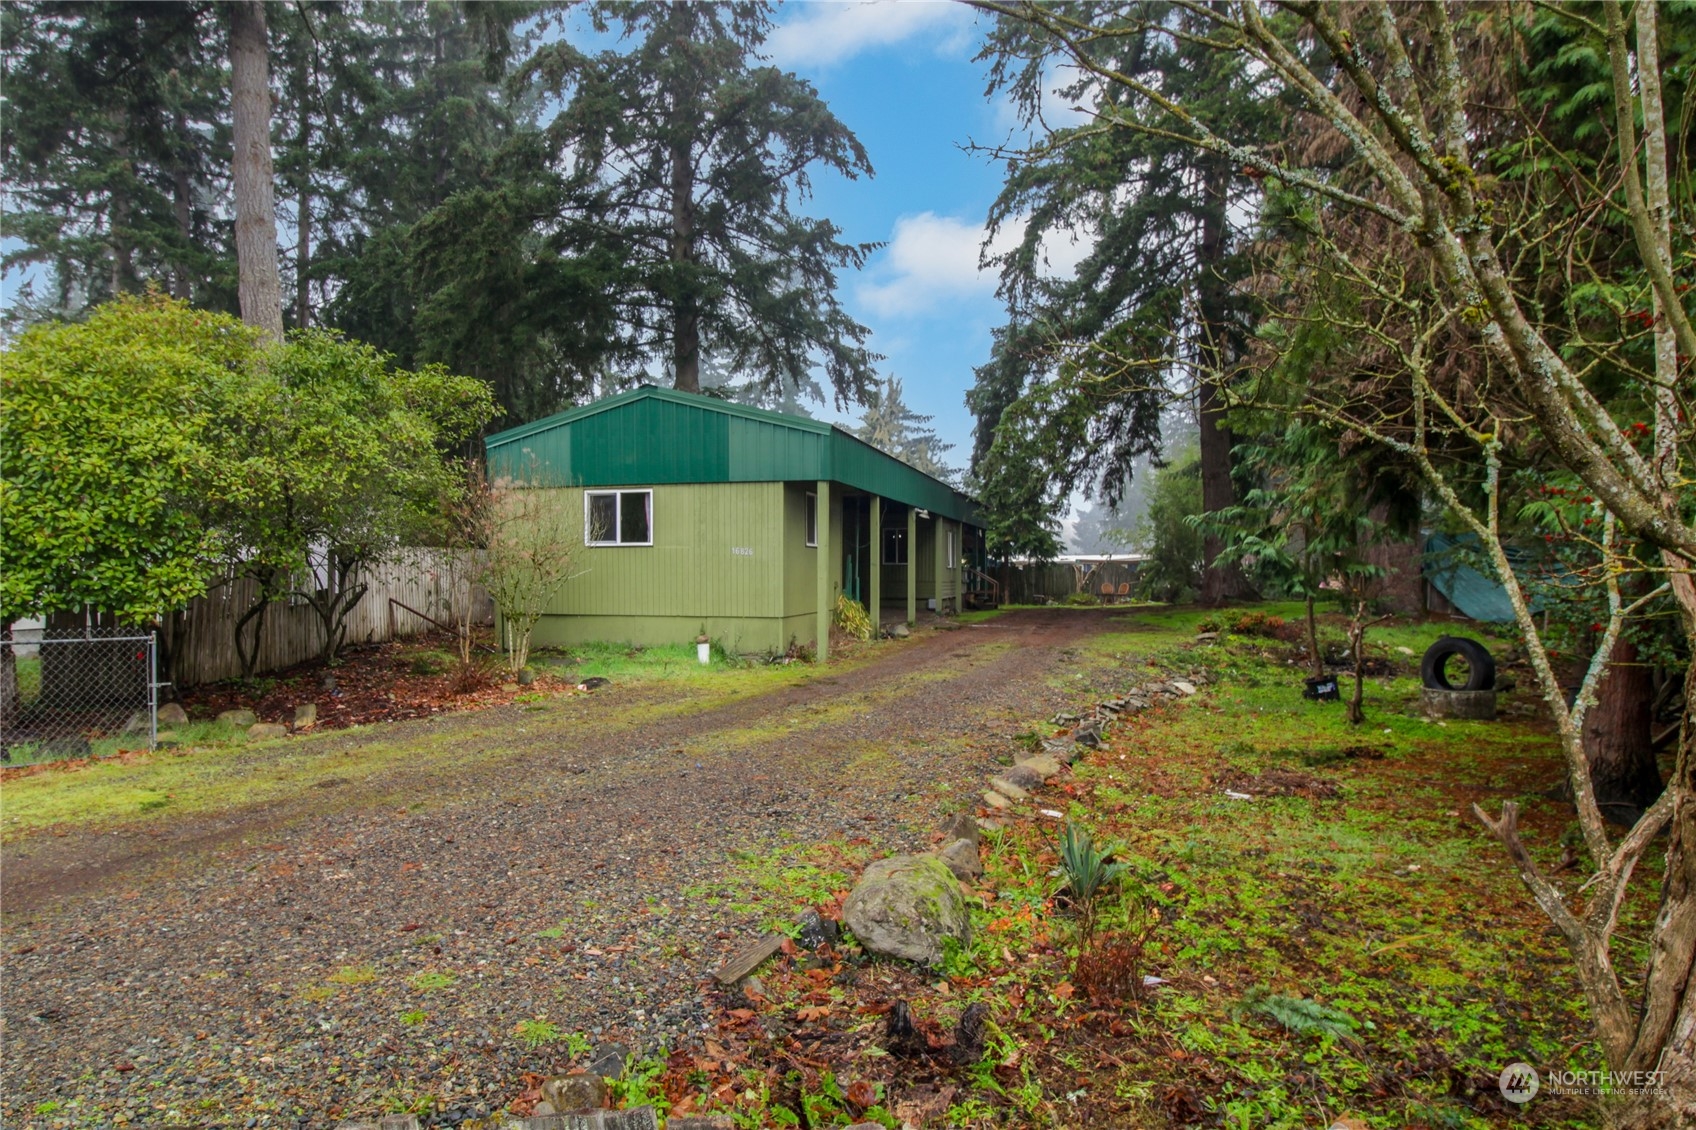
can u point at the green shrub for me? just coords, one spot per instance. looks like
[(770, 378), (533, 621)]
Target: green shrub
[(1167, 532), (1260, 624)]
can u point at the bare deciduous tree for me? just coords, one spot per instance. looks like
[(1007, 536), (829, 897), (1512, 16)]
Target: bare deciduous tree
[(1391, 87), (533, 536)]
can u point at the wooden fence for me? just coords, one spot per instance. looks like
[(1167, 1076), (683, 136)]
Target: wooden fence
[(402, 592), (1033, 583)]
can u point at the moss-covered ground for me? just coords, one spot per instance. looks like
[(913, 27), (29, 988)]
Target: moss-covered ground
[(1358, 952)]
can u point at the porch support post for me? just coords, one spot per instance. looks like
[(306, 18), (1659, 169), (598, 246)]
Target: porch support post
[(938, 568), (821, 525), (959, 566), (912, 565), (875, 565)]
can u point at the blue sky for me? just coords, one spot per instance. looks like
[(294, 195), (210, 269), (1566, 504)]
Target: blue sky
[(901, 75)]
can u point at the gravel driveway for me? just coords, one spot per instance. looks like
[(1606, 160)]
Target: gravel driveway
[(282, 965)]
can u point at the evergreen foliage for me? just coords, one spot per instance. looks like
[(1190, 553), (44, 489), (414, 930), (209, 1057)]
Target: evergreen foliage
[(891, 427), (154, 448), (1151, 313), (1168, 533), (686, 152), (114, 459)]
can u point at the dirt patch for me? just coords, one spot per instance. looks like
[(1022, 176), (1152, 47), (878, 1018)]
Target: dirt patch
[(1281, 782)]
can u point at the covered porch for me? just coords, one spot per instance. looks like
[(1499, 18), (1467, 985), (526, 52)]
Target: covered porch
[(898, 559)]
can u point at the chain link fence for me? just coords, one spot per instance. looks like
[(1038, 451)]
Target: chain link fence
[(76, 692)]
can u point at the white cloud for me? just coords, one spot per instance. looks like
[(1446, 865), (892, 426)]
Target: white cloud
[(932, 260), (825, 33)]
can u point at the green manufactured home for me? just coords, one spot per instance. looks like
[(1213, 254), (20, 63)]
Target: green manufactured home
[(704, 515)]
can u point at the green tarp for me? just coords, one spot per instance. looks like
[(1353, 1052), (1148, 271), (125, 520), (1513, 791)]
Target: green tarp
[(1448, 564)]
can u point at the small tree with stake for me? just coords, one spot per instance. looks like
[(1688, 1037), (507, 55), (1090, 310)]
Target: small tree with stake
[(531, 541)]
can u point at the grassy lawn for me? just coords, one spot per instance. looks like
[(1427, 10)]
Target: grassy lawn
[(212, 767), (1369, 956)]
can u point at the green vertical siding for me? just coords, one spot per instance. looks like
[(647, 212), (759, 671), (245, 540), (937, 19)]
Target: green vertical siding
[(729, 485), (800, 560), (922, 557), (761, 451), (646, 441), (718, 556)]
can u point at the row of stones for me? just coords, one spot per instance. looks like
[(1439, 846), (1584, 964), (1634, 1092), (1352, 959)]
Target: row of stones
[(903, 907)]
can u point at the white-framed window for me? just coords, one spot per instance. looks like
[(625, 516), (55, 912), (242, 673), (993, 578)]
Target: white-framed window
[(951, 551), (618, 517), (812, 519)]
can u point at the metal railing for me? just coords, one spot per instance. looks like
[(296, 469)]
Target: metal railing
[(77, 692)]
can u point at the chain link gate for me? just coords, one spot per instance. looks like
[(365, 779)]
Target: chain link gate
[(77, 692)]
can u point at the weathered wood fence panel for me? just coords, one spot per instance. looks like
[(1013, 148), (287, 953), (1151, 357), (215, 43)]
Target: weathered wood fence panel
[(414, 581)]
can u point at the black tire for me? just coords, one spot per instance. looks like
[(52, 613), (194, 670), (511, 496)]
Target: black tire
[(1481, 668)]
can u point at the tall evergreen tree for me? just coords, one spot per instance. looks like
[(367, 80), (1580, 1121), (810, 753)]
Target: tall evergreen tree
[(890, 426), (693, 151), (116, 150), (1151, 312), (259, 286)]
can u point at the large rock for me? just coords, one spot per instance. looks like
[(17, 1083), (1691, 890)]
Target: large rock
[(1023, 775), (961, 826), (263, 730), (172, 714), (240, 718), (306, 716), (632, 1118), (961, 856), (905, 905)]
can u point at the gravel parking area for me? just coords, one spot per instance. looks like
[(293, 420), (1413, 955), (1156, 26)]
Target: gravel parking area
[(343, 954)]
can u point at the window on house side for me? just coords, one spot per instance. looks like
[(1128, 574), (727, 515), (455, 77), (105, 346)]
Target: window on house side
[(618, 517), (950, 549), (812, 519), (894, 547)]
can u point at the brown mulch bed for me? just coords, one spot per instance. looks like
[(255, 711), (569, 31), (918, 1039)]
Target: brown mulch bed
[(371, 683)]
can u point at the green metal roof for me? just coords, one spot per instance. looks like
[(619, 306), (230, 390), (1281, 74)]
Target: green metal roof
[(654, 435)]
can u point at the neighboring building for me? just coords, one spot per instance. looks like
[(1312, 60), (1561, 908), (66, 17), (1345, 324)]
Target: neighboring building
[(704, 515)]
